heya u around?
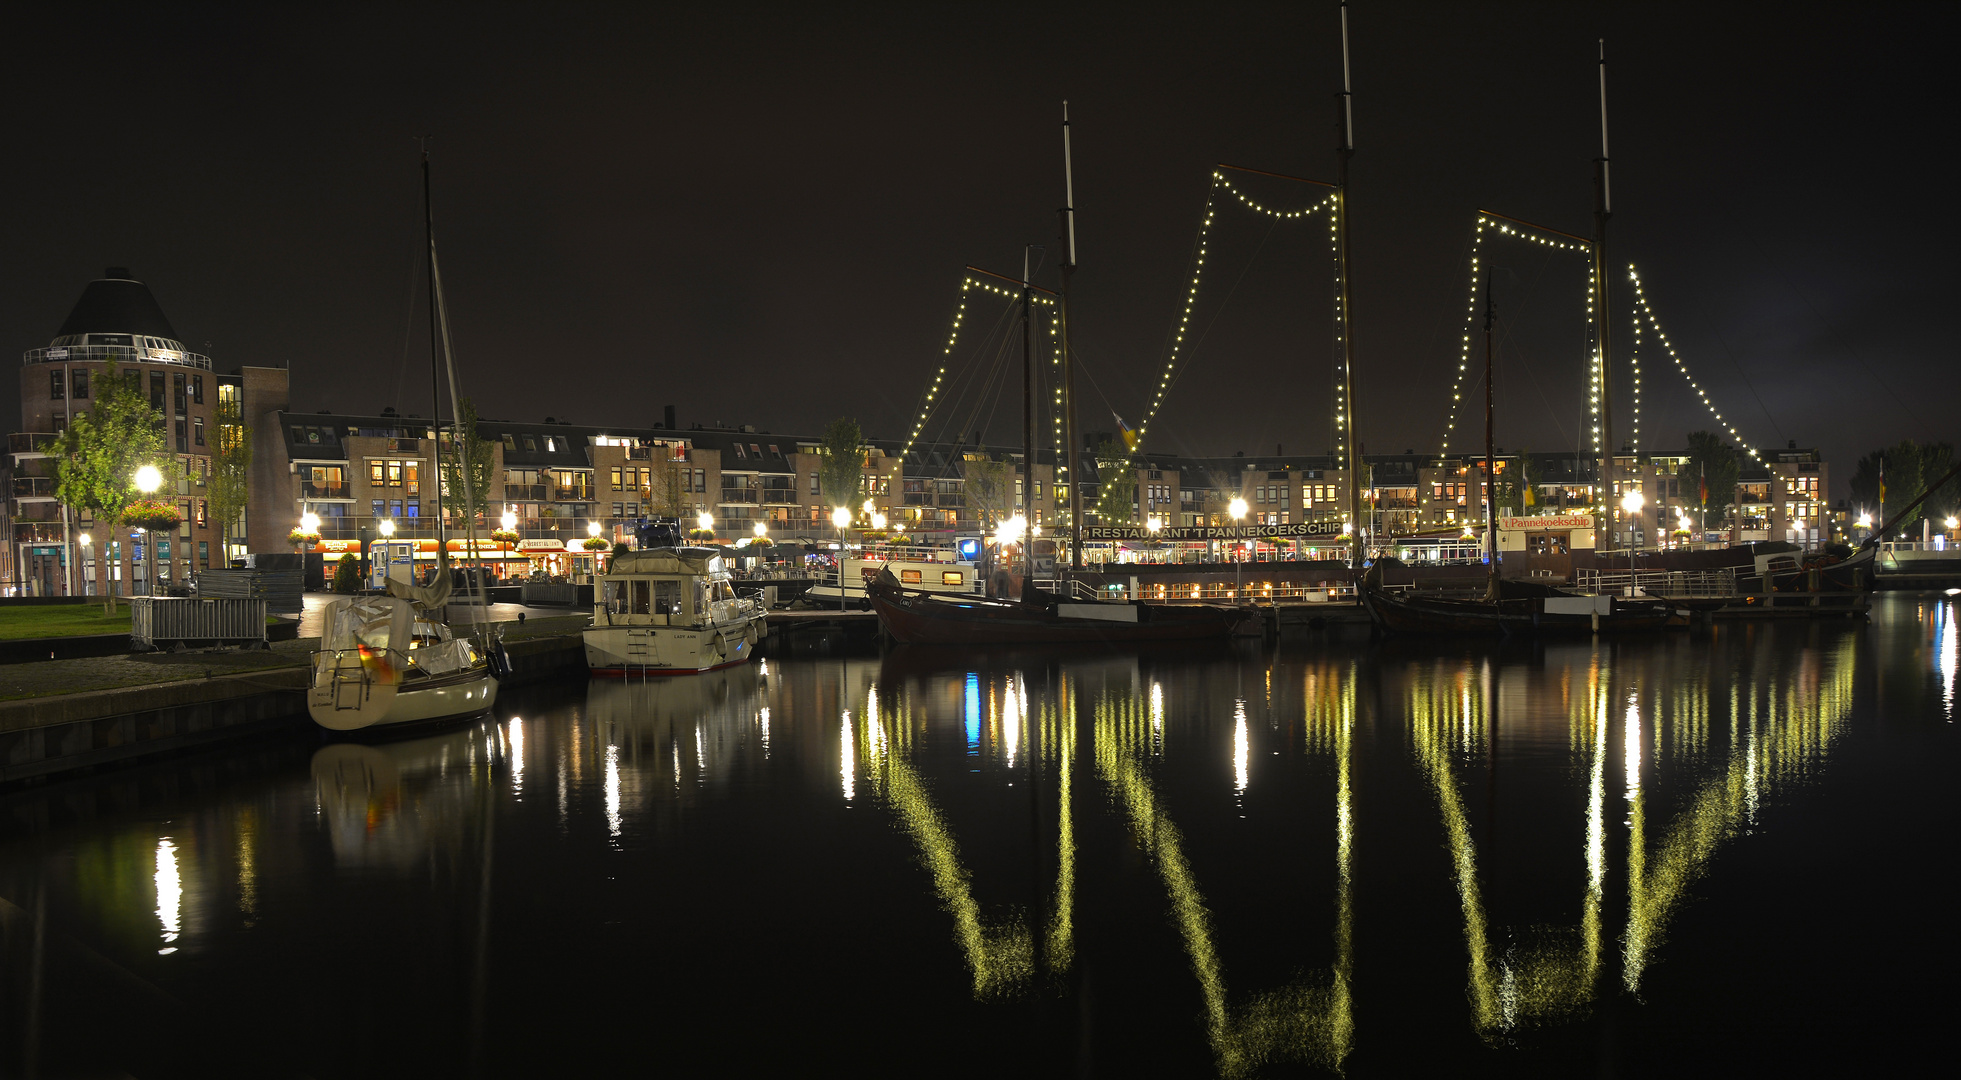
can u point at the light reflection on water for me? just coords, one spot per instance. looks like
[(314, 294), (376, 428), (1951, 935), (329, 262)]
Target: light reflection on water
[(1018, 827)]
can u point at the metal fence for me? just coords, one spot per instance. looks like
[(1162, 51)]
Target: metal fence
[(159, 622), (1667, 584)]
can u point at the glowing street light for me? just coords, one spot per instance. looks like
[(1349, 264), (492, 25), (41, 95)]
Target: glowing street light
[(761, 530), (1632, 502), (1865, 521), (878, 520), (841, 517), (386, 527), (310, 522), (1237, 508), (705, 521), (508, 520)]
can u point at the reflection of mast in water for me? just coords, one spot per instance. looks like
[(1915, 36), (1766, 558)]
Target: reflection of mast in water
[(1305, 1020)]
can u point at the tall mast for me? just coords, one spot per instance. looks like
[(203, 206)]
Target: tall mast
[(1490, 473), (435, 349), (1602, 210), (1027, 428), (1350, 446), (1068, 360)]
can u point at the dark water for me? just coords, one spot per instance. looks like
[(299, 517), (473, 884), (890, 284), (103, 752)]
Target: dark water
[(1725, 851)]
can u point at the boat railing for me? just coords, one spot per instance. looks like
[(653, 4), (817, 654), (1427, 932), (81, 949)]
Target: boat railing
[(1212, 592), (1664, 584)]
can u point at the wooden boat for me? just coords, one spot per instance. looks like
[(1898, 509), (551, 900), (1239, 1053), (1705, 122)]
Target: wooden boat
[(670, 611), (921, 617)]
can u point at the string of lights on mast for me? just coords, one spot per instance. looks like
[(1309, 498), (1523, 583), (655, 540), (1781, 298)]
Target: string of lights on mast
[(931, 399)]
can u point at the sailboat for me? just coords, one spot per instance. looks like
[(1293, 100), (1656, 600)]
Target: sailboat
[(389, 660), (923, 616)]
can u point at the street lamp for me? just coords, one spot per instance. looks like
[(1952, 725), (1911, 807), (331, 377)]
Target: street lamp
[(761, 530), (840, 517), (1154, 523), (1632, 502), (386, 527), (86, 583), (1237, 508), (148, 480)]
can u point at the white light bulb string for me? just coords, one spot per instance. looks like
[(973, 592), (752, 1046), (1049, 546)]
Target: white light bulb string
[(933, 388), (1647, 311)]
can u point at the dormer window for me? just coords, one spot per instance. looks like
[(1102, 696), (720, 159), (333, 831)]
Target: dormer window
[(738, 451)]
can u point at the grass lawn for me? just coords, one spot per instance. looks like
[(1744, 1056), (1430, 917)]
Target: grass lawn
[(61, 620)]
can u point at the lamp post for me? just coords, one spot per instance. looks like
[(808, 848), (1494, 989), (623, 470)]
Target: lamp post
[(1632, 502), (87, 584), (1154, 523), (148, 480), (386, 527), (1237, 508), (840, 517)]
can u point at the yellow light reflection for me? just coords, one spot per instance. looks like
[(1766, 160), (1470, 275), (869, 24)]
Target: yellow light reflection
[(170, 895), (1240, 746), (517, 757), (847, 764), (1947, 650), (1306, 1020)]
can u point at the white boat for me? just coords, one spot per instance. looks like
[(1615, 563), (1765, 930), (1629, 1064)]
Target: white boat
[(670, 611), (924, 569), (382, 662)]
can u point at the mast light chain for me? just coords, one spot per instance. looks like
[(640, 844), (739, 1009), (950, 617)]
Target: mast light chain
[(952, 341), (1471, 311), (1641, 298), (1219, 180)]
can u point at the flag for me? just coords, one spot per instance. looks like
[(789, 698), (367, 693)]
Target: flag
[(1129, 436), (1531, 495), (1882, 482)]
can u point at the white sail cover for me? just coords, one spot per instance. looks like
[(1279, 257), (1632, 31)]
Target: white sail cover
[(431, 596), (378, 622)]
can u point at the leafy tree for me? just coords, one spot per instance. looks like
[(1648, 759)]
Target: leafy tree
[(97, 457), (468, 456), (231, 466), (1116, 474), (347, 574), (843, 448), (989, 490), (1909, 468), (1717, 463)]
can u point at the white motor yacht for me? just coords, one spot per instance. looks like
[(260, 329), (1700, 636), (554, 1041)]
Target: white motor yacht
[(670, 611)]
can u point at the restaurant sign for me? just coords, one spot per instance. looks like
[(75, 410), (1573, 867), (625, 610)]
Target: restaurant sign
[(1304, 530), (1565, 521)]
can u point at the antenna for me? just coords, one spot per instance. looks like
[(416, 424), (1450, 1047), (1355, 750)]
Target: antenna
[(1606, 188), (1347, 107), (1068, 192)]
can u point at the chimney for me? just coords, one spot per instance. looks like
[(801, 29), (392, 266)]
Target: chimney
[(670, 418)]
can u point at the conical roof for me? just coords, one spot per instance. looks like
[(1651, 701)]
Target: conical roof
[(117, 304)]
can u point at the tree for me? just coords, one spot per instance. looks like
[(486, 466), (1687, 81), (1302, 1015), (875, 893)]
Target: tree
[(1516, 481), (231, 466), (1714, 463), (667, 495), (347, 574), (1116, 476), (844, 458), (1908, 467), (467, 457), (97, 457), (988, 489)]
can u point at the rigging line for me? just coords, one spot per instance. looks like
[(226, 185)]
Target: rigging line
[(1223, 304), (989, 397), (1731, 354), (1505, 336), (935, 400), (969, 378), (408, 322), (1778, 268)]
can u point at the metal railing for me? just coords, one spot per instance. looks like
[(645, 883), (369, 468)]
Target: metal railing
[(34, 487), (311, 490), (28, 442), (1667, 584), (115, 354)]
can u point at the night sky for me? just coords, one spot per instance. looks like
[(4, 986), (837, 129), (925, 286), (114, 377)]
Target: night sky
[(760, 215)]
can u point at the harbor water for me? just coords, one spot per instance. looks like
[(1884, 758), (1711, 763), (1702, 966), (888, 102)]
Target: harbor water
[(1725, 850)]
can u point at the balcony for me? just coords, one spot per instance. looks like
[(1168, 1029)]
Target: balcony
[(734, 496), (28, 443), (112, 354), (952, 500), (525, 492), (311, 490), (34, 487), (571, 494), (405, 446), (918, 498)]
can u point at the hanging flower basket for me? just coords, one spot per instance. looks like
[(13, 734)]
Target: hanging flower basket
[(701, 534), (595, 543), (504, 536), (300, 538), (151, 515), (762, 541)]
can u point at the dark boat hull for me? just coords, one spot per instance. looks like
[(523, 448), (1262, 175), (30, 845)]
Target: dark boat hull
[(922, 618), (1430, 615)]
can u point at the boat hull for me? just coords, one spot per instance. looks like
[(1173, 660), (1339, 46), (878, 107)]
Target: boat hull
[(922, 618), (352, 705), (664, 650), (1428, 615)]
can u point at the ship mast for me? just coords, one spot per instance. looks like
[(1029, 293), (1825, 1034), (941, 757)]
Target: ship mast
[(1490, 475), (1027, 429), (1350, 446), (1068, 360), (435, 356), (1602, 309)]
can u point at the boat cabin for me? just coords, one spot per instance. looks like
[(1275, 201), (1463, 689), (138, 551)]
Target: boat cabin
[(664, 587), (1543, 547)]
